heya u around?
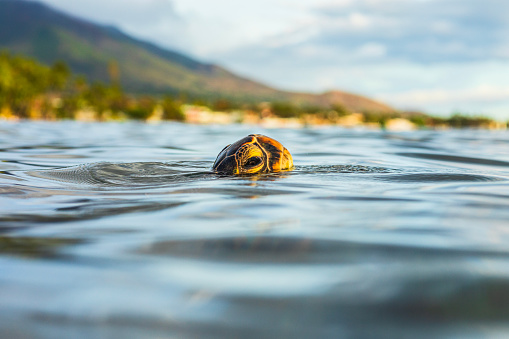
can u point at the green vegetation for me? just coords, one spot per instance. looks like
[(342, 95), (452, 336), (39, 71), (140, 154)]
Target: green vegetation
[(460, 121), (172, 110), (22, 80), (285, 110), (30, 90)]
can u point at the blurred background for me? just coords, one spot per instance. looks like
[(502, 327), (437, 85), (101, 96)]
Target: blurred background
[(439, 57), (433, 55)]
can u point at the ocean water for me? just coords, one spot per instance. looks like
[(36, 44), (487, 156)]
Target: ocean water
[(122, 231)]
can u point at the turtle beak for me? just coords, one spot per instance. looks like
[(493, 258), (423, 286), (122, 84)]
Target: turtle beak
[(226, 165)]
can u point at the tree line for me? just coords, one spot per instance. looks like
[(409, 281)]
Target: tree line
[(31, 90)]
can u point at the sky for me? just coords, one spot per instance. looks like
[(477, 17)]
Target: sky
[(436, 56)]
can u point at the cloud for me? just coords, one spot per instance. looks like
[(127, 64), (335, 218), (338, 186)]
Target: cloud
[(196, 27), (483, 99), (424, 31), (154, 20), (473, 87), (480, 94), (345, 33), (420, 31), (435, 55), (122, 12)]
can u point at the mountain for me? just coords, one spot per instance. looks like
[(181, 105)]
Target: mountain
[(35, 29)]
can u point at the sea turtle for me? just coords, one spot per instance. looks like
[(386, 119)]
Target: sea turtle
[(255, 153)]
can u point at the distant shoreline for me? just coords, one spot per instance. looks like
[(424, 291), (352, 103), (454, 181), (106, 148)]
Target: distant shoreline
[(202, 115), (32, 91)]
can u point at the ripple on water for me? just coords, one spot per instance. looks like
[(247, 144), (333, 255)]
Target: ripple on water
[(438, 177), (324, 169), (145, 174), (128, 175), (455, 158), (152, 244), (284, 250)]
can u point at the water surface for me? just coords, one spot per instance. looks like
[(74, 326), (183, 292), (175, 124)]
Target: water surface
[(122, 231)]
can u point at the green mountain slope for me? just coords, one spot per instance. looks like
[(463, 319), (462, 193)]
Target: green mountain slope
[(36, 30)]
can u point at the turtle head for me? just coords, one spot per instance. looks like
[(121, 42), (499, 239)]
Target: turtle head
[(253, 154)]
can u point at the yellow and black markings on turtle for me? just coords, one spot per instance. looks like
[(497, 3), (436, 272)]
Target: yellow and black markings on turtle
[(255, 153)]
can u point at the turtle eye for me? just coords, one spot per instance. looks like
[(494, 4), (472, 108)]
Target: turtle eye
[(253, 161)]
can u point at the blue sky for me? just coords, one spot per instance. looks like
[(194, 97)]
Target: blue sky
[(438, 56)]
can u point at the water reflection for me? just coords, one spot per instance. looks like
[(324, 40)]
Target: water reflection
[(35, 247), (129, 175)]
